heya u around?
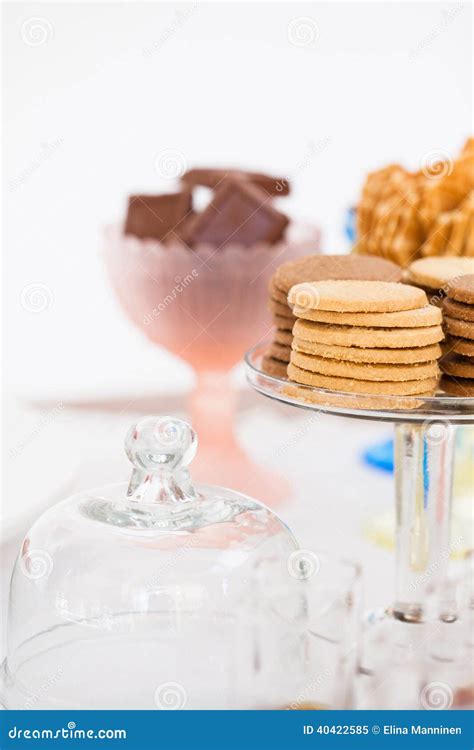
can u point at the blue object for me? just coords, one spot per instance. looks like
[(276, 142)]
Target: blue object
[(350, 224), (380, 456)]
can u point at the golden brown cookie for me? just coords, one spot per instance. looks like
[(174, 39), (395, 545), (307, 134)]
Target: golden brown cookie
[(418, 318), (373, 338), (347, 400), (355, 354), (322, 267), (283, 323), (462, 328), (282, 353), (350, 385), (438, 272), (462, 289), (458, 310), (357, 296), (283, 337), (456, 366), (364, 371), (459, 345), (278, 296), (463, 388), (274, 367), (278, 308)]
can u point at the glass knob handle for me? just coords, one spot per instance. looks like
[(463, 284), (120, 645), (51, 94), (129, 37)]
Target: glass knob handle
[(161, 445)]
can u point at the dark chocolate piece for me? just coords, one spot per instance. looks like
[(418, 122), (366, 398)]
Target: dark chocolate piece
[(212, 178), (158, 217), (239, 213)]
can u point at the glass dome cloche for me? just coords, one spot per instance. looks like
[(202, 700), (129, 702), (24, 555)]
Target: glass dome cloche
[(145, 596)]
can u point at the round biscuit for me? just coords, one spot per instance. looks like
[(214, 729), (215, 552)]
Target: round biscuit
[(357, 354), (364, 371), (462, 289), (373, 338), (322, 267), (274, 367), (357, 296), (462, 328), (456, 366), (418, 318), (458, 310), (283, 337), (438, 272), (283, 323), (351, 385), (282, 353)]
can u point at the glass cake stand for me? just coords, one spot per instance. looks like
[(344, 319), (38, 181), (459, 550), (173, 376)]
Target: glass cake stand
[(424, 453)]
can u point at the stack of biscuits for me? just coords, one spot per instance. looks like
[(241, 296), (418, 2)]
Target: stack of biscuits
[(365, 337), (458, 359), (434, 275), (307, 269)]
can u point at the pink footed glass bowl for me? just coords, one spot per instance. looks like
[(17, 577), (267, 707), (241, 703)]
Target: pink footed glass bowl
[(208, 307), (205, 305)]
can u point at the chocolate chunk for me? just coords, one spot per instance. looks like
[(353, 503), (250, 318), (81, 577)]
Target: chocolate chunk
[(212, 178), (158, 217), (238, 213)]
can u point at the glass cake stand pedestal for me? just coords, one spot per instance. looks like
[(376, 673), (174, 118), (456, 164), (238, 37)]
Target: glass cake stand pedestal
[(424, 456)]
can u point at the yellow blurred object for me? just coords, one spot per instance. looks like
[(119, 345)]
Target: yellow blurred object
[(380, 529), (404, 215)]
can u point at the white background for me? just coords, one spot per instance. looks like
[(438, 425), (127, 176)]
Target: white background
[(115, 85)]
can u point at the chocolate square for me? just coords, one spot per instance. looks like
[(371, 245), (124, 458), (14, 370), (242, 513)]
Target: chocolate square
[(212, 178), (239, 213), (158, 217)]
